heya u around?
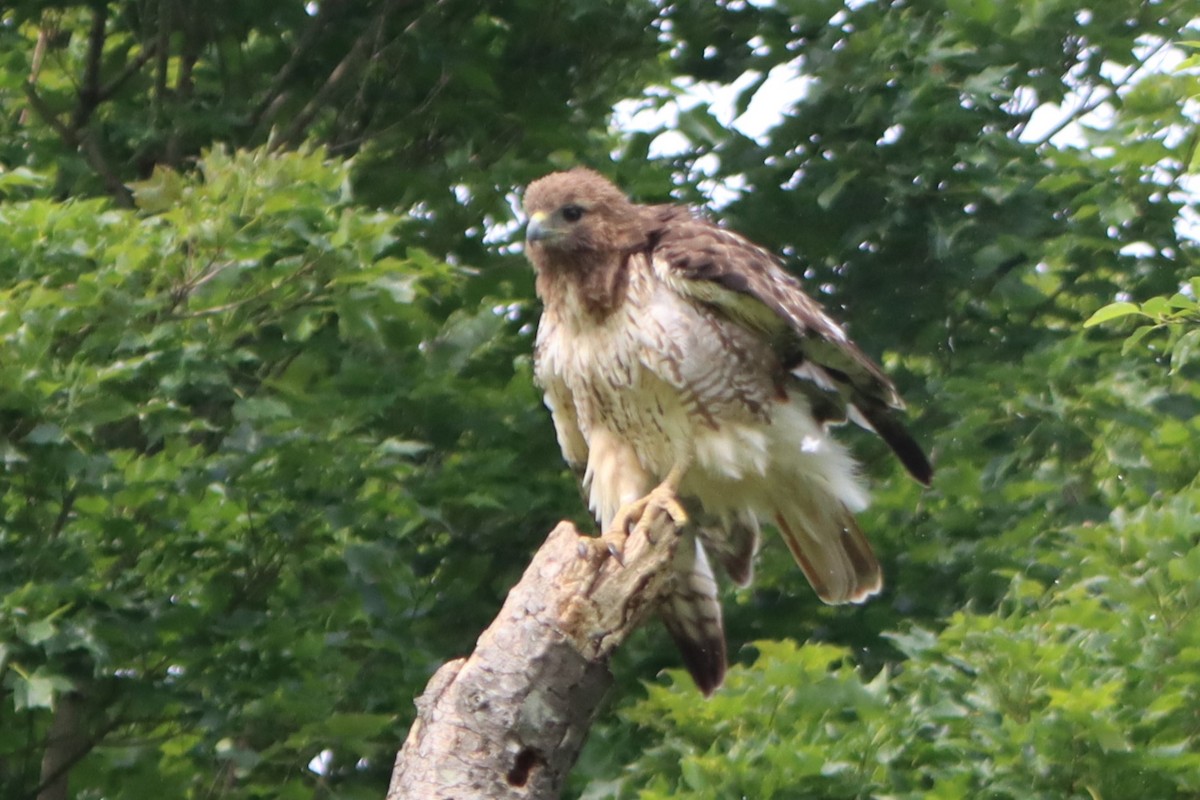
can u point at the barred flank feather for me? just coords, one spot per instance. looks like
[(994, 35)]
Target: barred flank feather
[(734, 543)]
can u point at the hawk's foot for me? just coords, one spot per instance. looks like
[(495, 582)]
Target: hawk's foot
[(636, 513)]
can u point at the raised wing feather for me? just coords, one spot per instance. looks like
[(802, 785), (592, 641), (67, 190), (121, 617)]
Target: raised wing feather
[(746, 283)]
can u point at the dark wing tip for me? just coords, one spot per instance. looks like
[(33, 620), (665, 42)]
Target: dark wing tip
[(901, 442), (910, 454), (923, 473)]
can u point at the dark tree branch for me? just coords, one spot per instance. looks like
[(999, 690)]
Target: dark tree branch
[(90, 91), (165, 8), (112, 182), (348, 66), (510, 720), (270, 103), (189, 55), (35, 67), (72, 736), (48, 116), (66, 743), (349, 63), (129, 70), (1096, 98)]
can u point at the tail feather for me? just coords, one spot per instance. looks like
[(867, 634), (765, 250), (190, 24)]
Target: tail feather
[(831, 549), (692, 615)]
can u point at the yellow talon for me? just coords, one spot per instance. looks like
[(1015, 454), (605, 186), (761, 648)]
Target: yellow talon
[(664, 497)]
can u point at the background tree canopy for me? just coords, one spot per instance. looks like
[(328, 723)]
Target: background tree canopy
[(272, 453)]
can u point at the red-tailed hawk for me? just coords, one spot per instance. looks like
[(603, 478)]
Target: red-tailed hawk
[(676, 354)]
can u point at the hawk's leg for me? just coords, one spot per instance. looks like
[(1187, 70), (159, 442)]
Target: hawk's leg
[(664, 496)]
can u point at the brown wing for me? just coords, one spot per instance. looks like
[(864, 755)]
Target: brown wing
[(745, 282)]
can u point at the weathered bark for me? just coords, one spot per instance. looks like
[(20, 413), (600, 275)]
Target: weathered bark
[(510, 720)]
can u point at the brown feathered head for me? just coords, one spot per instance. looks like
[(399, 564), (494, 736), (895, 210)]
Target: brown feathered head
[(579, 213)]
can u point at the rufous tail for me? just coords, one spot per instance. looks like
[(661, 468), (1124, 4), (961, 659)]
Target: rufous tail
[(829, 546)]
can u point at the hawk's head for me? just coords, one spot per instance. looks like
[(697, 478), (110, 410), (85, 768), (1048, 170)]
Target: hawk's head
[(580, 213)]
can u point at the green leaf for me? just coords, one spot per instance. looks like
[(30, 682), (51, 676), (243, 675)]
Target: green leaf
[(1156, 307), (163, 190), (1182, 302), (20, 178), (37, 690), (1184, 350), (1112, 311), (45, 433), (1137, 336)]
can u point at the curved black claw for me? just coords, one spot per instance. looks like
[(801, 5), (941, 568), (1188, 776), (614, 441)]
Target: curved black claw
[(614, 540)]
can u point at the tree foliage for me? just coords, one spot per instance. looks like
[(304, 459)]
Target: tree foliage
[(272, 451)]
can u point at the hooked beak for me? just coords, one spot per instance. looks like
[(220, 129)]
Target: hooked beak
[(539, 229)]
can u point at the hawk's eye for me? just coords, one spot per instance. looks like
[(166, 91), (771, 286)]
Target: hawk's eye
[(572, 213)]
